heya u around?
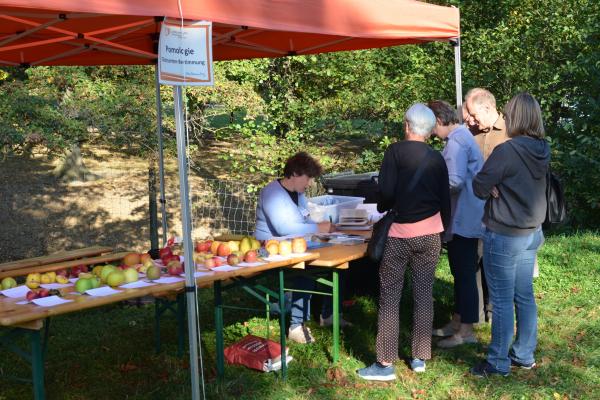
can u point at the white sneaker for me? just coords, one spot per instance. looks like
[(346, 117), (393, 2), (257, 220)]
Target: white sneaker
[(329, 321), (300, 334), (448, 330)]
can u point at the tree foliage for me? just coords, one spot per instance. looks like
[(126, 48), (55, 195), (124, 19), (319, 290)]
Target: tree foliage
[(277, 106)]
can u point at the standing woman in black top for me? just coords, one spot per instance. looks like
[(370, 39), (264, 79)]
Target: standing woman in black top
[(413, 181)]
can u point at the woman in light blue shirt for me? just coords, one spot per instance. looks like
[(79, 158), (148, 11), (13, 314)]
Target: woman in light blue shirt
[(464, 160), (281, 211)]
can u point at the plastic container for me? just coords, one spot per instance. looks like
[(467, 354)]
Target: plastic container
[(327, 207), (351, 184)]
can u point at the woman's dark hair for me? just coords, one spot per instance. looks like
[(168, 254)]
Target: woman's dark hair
[(523, 116), (302, 164), (444, 112)]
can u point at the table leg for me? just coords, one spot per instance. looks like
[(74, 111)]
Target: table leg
[(336, 317), (220, 348), (282, 337), (37, 365)]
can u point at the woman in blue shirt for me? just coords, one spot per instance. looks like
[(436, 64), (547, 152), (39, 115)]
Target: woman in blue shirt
[(464, 160), (282, 210)]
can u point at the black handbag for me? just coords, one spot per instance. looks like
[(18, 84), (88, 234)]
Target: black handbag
[(381, 228)]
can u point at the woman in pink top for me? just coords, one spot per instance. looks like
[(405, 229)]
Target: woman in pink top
[(413, 182)]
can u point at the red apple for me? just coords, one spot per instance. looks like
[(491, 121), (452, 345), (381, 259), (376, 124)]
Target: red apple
[(203, 246), (62, 272), (144, 258), (218, 261), (250, 256), (43, 292), (31, 295), (223, 250), (174, 268), (166, 251)]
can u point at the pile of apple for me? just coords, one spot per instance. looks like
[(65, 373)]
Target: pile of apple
[(286, 247), (210, 253)]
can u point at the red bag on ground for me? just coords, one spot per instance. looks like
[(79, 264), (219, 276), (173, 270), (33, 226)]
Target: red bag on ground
[(256, 353)]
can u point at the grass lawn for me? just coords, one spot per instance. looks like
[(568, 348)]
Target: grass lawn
[(108, 353)]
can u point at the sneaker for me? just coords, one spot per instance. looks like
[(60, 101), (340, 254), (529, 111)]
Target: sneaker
[(517, 364), (456, 340), (377, 372), (300, 334), (485, 370), (329, 321), (417, 365), (448, 330)]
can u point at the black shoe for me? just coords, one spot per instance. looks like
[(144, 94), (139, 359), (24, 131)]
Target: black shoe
[(485, 370), (517, 364)]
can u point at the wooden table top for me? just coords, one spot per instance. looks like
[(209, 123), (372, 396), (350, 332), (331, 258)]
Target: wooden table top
[(25, 314), (103, 259), (55, 258), (338, 255)]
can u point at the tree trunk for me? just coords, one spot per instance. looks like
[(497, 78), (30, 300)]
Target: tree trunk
[(72, 167)]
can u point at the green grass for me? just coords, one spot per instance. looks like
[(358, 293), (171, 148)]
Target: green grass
[(108, 353)]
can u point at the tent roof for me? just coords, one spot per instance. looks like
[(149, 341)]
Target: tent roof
[(96, 32)]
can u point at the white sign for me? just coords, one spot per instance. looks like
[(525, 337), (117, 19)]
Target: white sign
[(185, 53)]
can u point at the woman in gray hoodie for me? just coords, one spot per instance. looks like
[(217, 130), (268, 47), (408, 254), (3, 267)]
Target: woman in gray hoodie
[(513, 183)]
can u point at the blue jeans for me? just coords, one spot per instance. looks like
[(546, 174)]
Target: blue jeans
[(301, 302), (508, 264)]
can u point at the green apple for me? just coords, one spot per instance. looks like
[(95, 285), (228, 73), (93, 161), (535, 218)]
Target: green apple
[(106, 270), (95, 282), (8, 283), (131, 275), (116, 278), (83, 284), (153, 272)]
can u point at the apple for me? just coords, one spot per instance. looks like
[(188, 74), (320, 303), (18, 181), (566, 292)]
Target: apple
[(116, 278), (94, 282), (131, 275), (272, 247), (76, 270), (233, 260), (223, 250), (250, 256), (153, 272), (43, 292), (33, 280), (8, 283), (106, 270), (131, 259), (175, 268), (166, 251), (31, 295), (144, 258), (299, 245), (167, 259), (83, 284), (62, 279), (234, 245), (62, 272), (209, 263), (203, 246), (218, 261), (285, 247)]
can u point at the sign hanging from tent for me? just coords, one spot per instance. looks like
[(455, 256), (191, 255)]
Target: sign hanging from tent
[(185, 53)]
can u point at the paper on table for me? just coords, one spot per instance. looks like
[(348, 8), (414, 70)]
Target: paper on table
[(50, 301), (250, 264), (102, 291), (23, 302), (225, 268), (55, 285), (73, 280), (169, 279), (16, 292), (137, 284)]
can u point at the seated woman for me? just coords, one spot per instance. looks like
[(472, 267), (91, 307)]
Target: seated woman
[(282, 210), (413, 181)]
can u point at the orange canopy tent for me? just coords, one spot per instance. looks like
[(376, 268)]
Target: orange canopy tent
[(113, 32), (97, 32)]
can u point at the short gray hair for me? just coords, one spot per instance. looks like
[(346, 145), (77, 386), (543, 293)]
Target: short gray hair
[(421, 119)]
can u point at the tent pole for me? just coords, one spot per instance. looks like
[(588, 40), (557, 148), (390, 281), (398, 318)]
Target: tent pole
[(457, 76), (161, 163), (190, 281)]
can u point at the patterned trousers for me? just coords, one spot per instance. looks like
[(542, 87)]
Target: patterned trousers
[(421, 254)]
